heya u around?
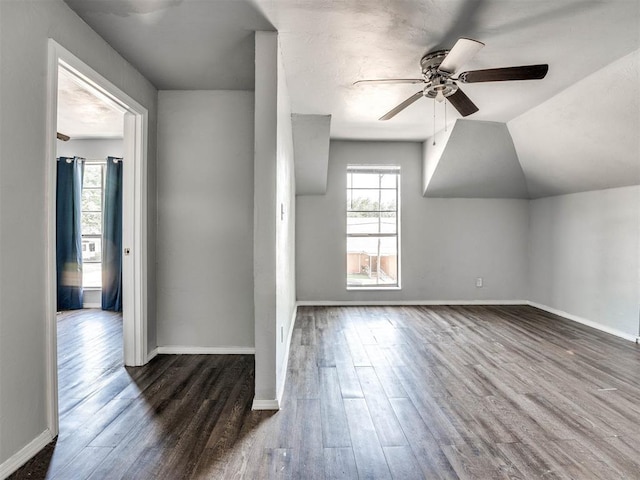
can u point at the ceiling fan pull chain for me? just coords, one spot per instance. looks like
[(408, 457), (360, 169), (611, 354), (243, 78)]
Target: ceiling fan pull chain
[(434, 122), (445, 114)]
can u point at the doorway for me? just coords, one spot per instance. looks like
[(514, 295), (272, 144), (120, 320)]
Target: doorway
[(134, 236)]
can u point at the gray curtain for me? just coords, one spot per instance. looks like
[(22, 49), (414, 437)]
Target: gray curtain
[(68, 233)]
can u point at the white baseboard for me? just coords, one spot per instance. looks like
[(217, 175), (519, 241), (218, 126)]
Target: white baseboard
[(265, 404), (366, 303), (584, 321), (152, 354), (192, 350), (21, 457)]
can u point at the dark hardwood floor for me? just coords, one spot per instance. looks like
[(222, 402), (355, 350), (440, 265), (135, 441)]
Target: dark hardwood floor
[(372, 392)]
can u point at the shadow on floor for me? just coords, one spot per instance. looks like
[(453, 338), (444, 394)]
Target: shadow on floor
[(180, 416)]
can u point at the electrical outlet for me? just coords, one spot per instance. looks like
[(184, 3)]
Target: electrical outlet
[(479, 282)]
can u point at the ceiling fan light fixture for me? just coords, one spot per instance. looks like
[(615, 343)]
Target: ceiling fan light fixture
[(440, 87)]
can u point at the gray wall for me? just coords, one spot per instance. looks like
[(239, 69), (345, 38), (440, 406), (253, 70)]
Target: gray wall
[(93, 149), (264, 213), (24, 29), (285, 228), (274, 187), (205, 218), (446, 243), (584, 254)]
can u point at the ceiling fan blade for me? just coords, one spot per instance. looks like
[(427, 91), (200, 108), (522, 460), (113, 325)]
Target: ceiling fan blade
[(462, 103), (62, 136), (397, 109), (526, 72), (463, 51), (387, 81)]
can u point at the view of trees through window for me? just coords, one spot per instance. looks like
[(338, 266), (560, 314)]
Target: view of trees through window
[(92, 188), (373, 207)]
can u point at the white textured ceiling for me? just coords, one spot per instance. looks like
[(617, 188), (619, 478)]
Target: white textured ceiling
[(329, 44), (575, 130), (82, 114)]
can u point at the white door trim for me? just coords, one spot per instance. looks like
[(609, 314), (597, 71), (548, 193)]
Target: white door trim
[(134, 227)]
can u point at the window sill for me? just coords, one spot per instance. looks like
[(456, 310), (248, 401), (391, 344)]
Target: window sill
[(91, 289)]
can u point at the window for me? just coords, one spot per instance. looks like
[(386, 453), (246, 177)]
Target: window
[(373, 219), (92, 190)]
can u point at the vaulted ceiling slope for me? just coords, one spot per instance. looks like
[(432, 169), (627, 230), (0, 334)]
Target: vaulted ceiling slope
[(478, 161), (585, 138), (311, 152)]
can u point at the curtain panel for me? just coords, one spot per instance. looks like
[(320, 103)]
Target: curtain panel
[(112, 237), (68, 233)]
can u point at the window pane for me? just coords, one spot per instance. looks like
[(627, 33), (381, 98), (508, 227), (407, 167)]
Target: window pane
[(91, 223), (91, 200), (388, 181), (92, 176), (388, 222), (91, 249), (372, 261), (364, 200), (92, 275), (371, 222), (364, 180), (363, 222), (388, 198)]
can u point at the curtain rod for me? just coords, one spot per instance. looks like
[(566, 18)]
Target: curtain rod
[(70, 159)]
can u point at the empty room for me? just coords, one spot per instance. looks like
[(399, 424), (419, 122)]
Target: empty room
[(354, 239)]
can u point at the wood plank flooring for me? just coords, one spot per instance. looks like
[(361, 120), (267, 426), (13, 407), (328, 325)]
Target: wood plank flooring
[(372, 392)]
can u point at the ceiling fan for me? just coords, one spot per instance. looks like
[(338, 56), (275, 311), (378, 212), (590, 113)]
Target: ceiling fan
[(439, 68)]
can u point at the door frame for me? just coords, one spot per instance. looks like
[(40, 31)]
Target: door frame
[(134, 219)]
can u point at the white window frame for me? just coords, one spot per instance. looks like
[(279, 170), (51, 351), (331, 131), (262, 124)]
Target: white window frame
[(103, 164), (376, 169)]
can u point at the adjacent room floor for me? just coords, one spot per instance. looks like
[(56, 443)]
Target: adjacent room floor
[(372, 392)]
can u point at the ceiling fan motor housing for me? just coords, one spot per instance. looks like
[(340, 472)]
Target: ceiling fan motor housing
[(437, 82)]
